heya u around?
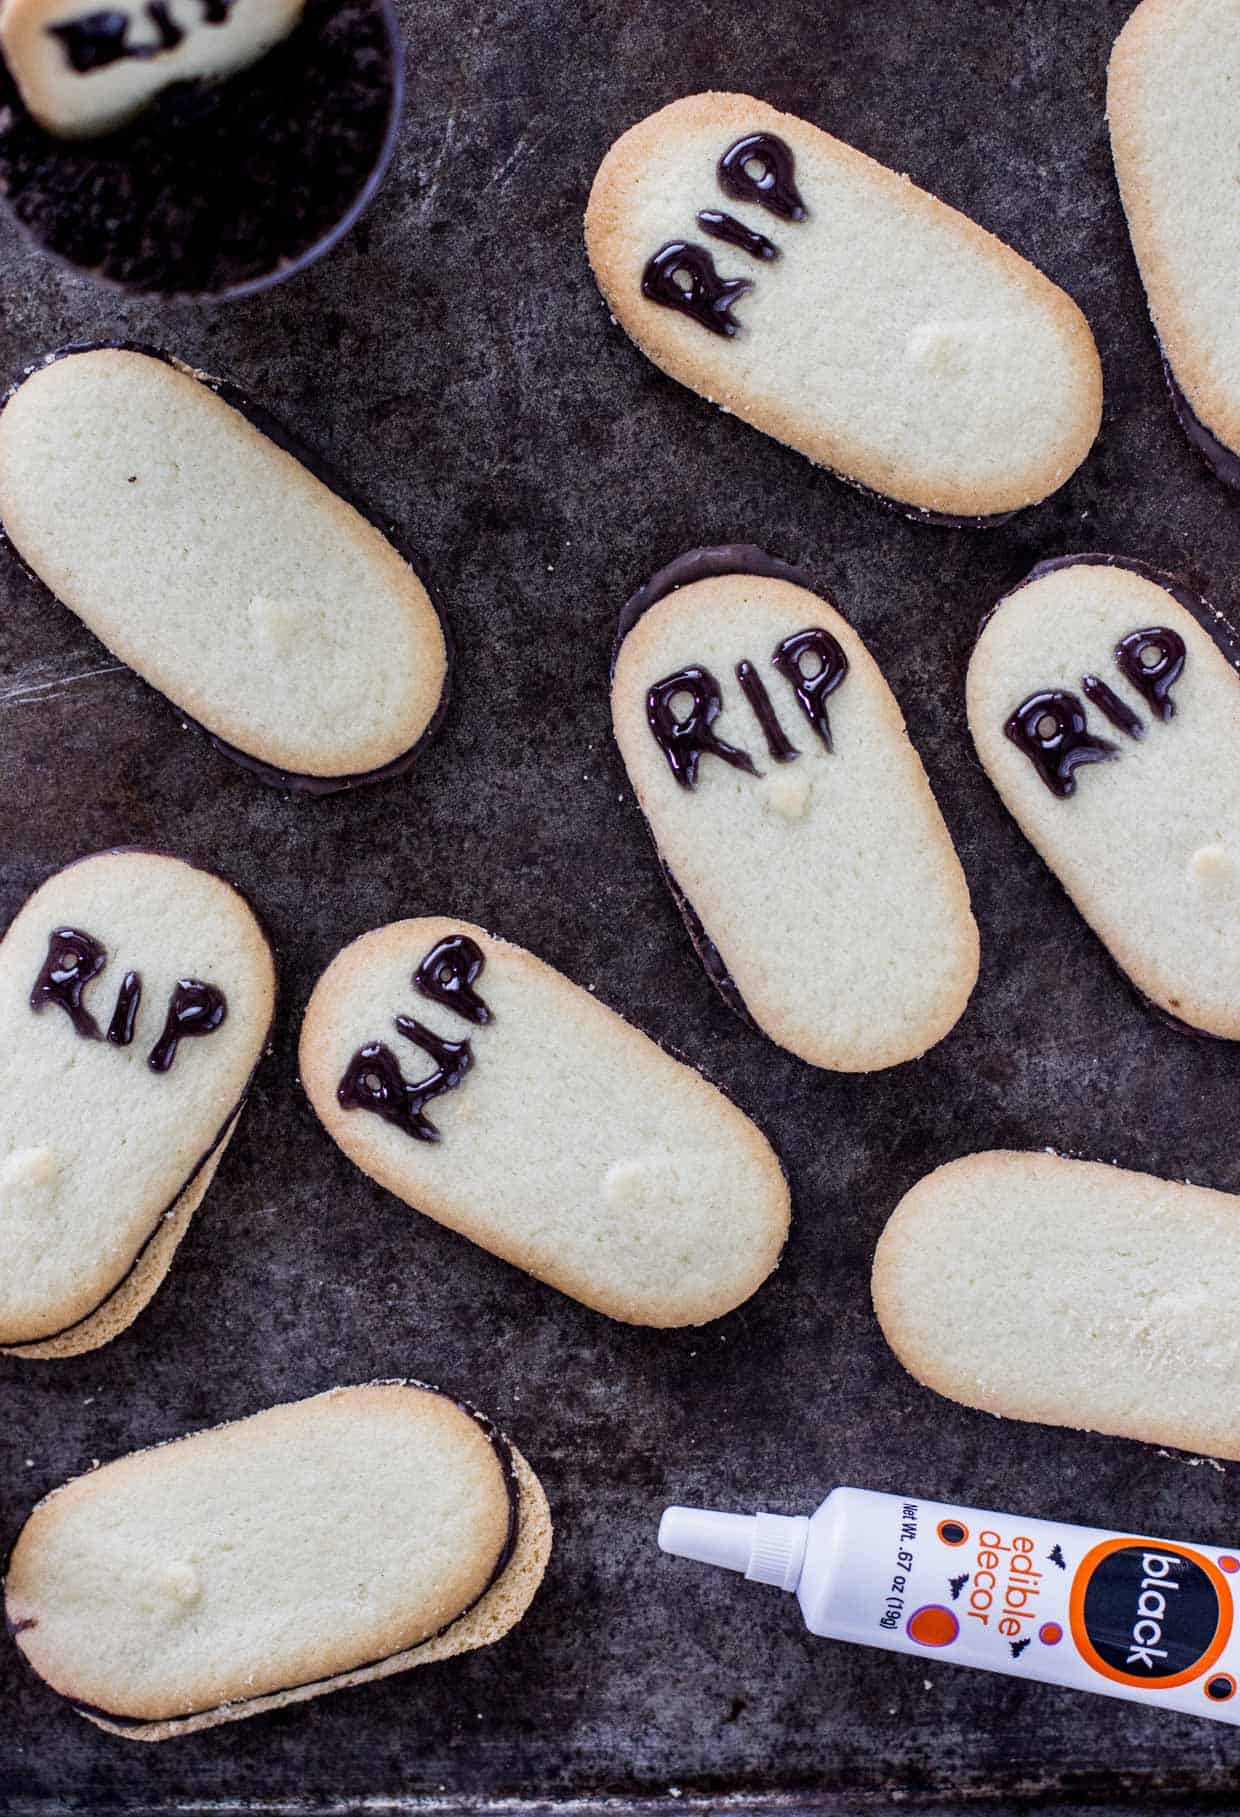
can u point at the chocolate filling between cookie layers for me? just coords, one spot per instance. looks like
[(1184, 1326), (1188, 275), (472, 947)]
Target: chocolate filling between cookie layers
[(221, 1135), (269, 426), (710, 563), (217, 188), (1222, 461), (503, 1452), (1225, 638)]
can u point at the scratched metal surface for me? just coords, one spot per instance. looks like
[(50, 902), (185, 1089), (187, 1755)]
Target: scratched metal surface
[(454, 360)]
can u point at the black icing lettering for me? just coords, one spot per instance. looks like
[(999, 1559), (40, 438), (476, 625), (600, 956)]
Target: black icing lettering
[(98, 39), (194, 1009), (1153, 661), (448, 973), (796, 657), (1051, 730), (760, 168), (1108, 701), (754, 689), (726, 227), (373, 1080), (125, 1015), (73, 959), (683, 276), (685, 737)]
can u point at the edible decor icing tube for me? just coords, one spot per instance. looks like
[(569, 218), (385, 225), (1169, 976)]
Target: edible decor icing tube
[(1146, 1619)]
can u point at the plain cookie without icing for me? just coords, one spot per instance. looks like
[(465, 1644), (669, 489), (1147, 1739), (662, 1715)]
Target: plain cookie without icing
[(826, 300), (792, 814), (314, 1546), (85, 69), (485, 1089), (1108, 718), (1171, 108), (1069, 1293), (216, 564), (138, 993)]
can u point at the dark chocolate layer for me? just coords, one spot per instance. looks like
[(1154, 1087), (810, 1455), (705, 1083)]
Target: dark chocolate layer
[(275, 431), (65, 1331), (1221, 459), (218, 189), (503, 1452)]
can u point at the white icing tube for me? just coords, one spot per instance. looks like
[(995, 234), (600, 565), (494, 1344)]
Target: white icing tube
[(1146, 1619)]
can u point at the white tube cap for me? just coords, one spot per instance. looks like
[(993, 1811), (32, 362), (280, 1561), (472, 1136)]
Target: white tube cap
[(768, 1548)]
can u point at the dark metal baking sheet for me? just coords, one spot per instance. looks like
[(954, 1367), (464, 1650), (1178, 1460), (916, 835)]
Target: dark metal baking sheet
[(454, 360)]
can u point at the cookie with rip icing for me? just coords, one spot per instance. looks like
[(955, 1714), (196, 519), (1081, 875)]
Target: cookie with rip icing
[(791, 814), (1104, 704), (485, 1089), (137, 992), (829, 302)]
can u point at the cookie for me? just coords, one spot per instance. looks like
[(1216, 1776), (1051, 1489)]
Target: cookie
[(1171, 109), (1069, 1293), (826, 300), (137, 992), (1106, 711), (171, 203), (314, 1546), (171, 515), (793, 818), (483, 1088), (83, 70)]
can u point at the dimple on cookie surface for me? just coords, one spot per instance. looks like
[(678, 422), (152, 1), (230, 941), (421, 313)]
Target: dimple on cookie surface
[(888, 338), (560, 1137), (819, 868), (1126, 777), (213, 562)]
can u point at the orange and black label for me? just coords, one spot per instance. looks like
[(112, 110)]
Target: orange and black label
[(1147, 1613)]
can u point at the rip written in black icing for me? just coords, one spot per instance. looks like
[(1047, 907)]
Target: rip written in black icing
[(760, 168), (684, 276), (726, 227), (685, 737), (447, 976), (101, 38), (373, 1079), (74, 959), (195, 1009), (1051, 727)]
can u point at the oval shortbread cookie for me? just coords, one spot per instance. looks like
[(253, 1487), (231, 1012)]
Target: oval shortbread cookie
[(829, 302), (793, 817), (1108, 718), (216, 564), (84, 69), (1070, 1293), (137, 994), (483, 1088), (317, 1545), (1171, 107)]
